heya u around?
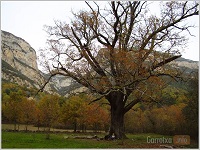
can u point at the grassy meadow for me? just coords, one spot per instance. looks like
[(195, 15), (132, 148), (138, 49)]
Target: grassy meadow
[(67, 140), (38, 140)]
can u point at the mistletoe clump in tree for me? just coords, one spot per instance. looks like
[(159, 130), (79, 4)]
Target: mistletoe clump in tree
[(120, 50)]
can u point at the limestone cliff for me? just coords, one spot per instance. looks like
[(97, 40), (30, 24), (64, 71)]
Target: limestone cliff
[(19, 63)]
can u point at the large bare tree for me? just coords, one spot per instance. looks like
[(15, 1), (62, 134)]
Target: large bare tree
[(119, 50)]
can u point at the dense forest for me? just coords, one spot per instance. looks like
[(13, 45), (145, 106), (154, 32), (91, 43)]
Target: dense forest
[(176, 112)]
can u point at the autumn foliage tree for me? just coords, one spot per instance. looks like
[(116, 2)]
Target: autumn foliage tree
[(166, 120), (72, 111), (191, 111), (11, 99), (76, 111), (114, 51), (49, 109), (96, 116), (27, 114)]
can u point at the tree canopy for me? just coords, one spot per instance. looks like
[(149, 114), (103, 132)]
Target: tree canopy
[(120, 49)]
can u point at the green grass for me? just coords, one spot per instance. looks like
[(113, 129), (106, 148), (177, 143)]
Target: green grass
[(38, 140)]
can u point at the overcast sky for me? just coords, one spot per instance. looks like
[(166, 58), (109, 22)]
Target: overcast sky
[(26, 19)]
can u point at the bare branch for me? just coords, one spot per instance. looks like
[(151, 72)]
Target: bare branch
[(165, 62), (184, 16), (131, 104), (97, 99)]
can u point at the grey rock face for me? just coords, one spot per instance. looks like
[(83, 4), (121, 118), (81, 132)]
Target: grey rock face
[(19, 63)]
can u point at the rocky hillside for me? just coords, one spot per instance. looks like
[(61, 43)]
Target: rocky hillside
[(19, 65), (65, 85), (186, 63), (19, 62)]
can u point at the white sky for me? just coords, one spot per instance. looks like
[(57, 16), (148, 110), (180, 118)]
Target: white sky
[(26, 19)]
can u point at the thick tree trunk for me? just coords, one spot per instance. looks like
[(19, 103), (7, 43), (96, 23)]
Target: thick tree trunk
[(117, 124), (116, 100)]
